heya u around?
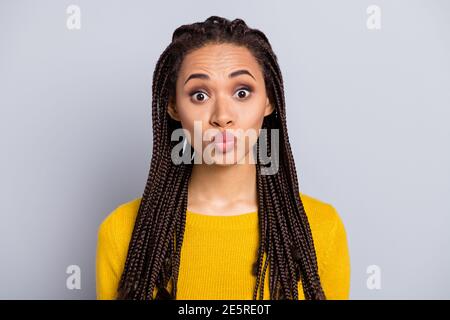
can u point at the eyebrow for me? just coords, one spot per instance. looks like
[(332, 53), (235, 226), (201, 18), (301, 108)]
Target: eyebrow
[(231, 75)]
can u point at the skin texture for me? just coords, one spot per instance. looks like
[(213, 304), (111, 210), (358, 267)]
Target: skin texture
[(222, 187)]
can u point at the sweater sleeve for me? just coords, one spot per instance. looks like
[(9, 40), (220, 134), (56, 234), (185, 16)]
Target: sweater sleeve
[(336, 277), (107, 275)]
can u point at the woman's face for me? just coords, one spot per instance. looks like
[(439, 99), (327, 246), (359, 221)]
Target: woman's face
[(220, 87)]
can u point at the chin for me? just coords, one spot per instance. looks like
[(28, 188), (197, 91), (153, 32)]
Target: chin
[(229, 159)]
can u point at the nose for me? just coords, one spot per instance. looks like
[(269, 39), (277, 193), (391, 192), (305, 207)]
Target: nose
[(222, 115)]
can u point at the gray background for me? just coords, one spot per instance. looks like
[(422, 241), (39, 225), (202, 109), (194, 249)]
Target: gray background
[(368, 114)]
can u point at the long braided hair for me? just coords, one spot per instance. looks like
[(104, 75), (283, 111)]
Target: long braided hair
[(153, 257)]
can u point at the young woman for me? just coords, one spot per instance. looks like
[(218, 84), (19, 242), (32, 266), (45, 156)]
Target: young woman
[(220, 229)]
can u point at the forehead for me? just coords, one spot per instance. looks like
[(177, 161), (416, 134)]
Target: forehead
[(218, 59)]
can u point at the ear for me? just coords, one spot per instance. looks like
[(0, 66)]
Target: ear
[(269, 107), (172, 110)]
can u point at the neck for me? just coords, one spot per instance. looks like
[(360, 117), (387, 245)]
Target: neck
[(216, 188)]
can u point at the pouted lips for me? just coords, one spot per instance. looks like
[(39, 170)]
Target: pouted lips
[(224, 141)]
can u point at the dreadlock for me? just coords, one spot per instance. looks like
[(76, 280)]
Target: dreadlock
[(153, 257)]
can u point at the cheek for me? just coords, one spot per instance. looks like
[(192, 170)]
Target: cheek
[(188, 116), (253, 118), (192, 121), (251, 124)]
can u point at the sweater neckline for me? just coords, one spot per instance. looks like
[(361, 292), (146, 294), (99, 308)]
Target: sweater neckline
[(246, 220)]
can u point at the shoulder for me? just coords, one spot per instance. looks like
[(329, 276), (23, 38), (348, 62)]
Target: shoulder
[(320, 213), (114, 234), (118, 224), (326, 225), (122, 214), (331, 244)]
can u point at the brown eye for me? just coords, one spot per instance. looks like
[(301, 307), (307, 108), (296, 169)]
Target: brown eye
[(200, 96), (243, 93)]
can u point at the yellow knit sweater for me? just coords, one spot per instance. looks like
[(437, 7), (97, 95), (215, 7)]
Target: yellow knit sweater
[(218, 253)]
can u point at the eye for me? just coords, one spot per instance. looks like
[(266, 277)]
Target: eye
[(200, 96), (243, 93)]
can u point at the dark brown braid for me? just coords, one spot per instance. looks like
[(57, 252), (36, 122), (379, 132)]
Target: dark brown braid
[(285, 236)]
